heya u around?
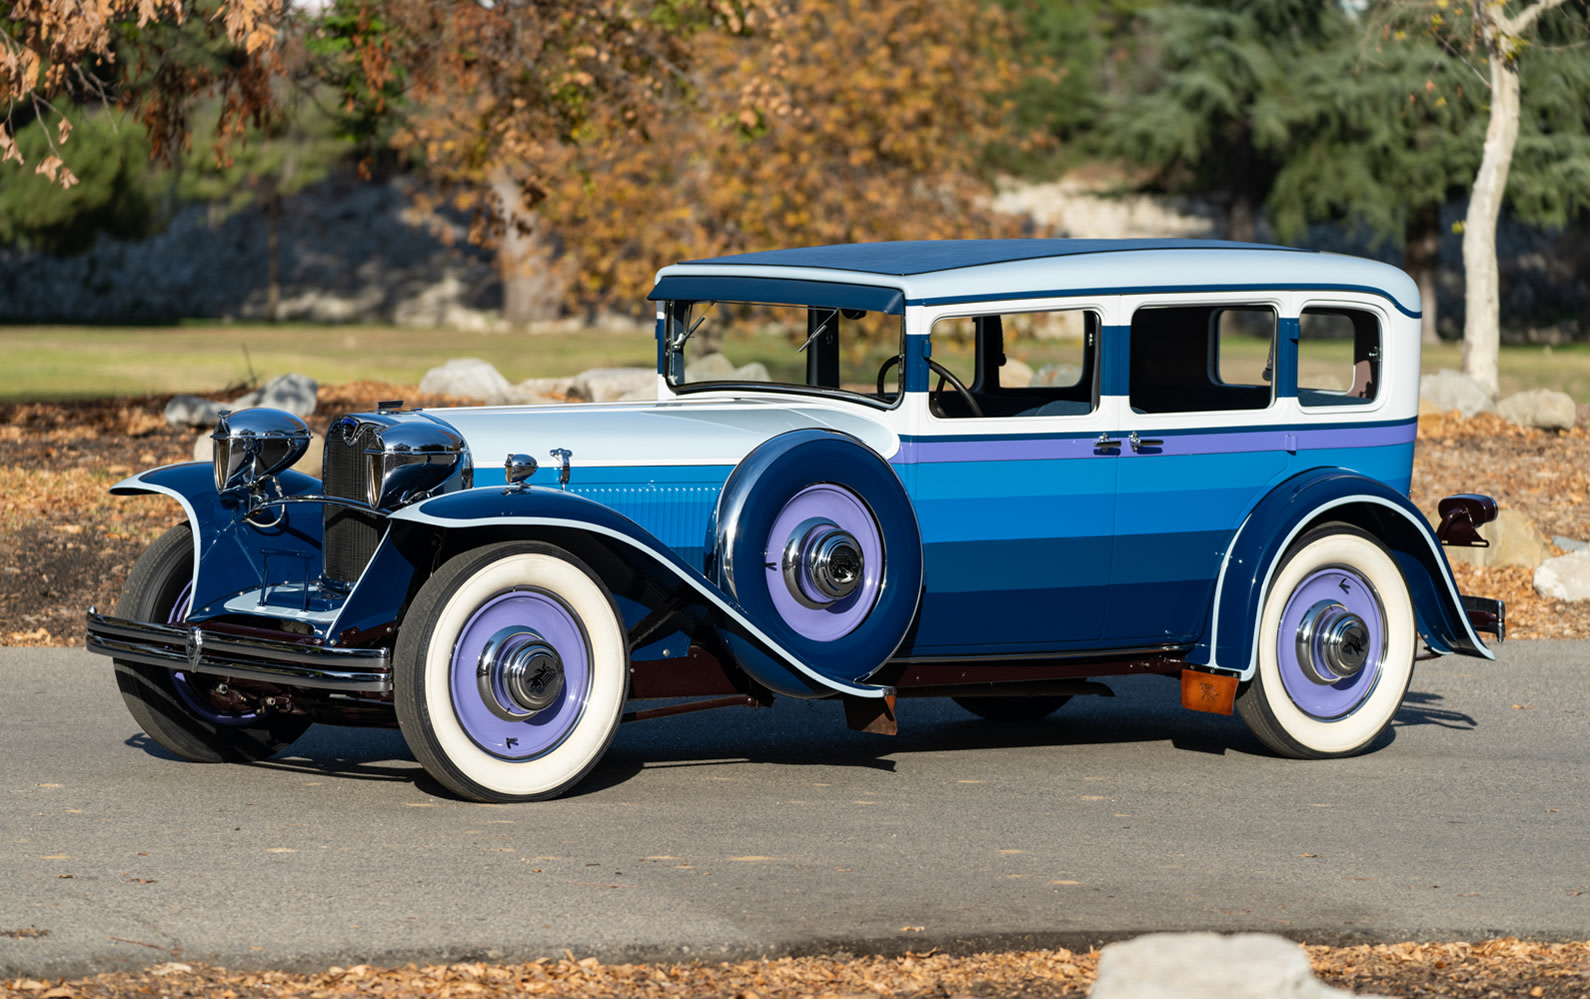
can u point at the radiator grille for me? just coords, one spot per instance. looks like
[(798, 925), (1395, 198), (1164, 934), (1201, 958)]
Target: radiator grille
[(351, 535)]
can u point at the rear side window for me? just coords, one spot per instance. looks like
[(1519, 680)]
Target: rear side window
[(1338, 357), (1202, 358)]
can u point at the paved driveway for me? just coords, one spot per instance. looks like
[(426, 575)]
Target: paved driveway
[(779, 831)]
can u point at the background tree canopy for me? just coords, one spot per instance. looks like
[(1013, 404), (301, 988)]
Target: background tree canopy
[(592, 140)]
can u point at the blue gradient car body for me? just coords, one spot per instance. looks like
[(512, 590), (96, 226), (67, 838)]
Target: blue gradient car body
[(1205, 476)]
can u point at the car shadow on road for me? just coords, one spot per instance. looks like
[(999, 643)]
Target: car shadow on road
[(1419, 708)]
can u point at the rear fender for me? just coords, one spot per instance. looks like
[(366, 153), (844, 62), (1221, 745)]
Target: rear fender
[(449, 523), (1231, 640)]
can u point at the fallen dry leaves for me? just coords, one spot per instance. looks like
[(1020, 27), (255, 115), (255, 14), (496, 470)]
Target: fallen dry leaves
[(1504, 967)]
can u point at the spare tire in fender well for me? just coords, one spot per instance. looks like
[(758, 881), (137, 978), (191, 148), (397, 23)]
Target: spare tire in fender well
[(815, 538)]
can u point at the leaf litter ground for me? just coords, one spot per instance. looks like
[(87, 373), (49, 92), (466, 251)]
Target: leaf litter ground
[(65, 544)]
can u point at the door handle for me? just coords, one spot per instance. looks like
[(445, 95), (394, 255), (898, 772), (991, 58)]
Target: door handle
[(1139, 443), (1106, 443)]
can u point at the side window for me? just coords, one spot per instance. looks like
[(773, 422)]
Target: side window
[(1338, 357), (1201, 358), (1017, 364)]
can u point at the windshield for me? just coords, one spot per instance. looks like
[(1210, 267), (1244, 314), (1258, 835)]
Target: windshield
[(814, 348)]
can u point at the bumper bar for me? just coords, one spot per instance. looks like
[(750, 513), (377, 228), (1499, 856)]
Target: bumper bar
[(1486, 614), (191, 650)]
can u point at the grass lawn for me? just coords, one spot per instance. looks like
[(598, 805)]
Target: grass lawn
[(77, 362)]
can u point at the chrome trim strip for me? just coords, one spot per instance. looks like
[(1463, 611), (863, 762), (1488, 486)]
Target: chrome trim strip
[(366, 671)]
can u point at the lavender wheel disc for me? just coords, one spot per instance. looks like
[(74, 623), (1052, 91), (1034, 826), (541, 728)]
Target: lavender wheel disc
[(834, 505), (532, 612), (1344, 591)]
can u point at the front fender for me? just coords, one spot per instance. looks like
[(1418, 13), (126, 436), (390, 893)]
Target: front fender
[(223, 556), (539, 508), (1230, 642)]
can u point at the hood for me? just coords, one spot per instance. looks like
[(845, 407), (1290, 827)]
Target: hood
[(649, 433)]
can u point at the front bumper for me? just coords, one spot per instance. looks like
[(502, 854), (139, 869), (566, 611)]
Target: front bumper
[(1486, 614), (192, 650)]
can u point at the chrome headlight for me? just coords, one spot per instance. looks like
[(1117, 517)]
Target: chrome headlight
[(254, 444), (408, 460)]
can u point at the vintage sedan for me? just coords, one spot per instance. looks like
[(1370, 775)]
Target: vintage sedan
[(995, 471)]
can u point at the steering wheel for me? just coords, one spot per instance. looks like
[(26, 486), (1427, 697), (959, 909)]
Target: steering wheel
[(945, 375), (883, 369)]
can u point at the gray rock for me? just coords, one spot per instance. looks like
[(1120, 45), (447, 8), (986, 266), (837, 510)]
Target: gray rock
[(1542, 408), (756, 371), (1208, 966), (709, 367), (203, 448), (1568, 544), (1515, 540), (293, 393), (466, 377), (1448, 390), (1056, 375), (612, 384), (1565, 578), (1016, 374), (191, 411)]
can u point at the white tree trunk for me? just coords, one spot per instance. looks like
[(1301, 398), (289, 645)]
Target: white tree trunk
[(1503, 37), (1482, 281)]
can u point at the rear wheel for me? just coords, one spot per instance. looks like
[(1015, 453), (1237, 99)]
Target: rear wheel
[(511, 672), (1336, 647), (191, 715)]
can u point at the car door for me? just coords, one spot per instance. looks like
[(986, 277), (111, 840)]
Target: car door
[(1015, 503), (1199, 442)]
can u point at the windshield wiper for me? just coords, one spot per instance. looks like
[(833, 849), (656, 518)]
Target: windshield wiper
[(818, 332), (679, 341)]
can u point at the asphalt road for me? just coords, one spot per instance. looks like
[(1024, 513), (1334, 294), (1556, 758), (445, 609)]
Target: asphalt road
[(776, 831)]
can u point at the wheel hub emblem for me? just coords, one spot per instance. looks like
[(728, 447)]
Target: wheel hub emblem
[(519, 675), (1332, 643), (822, 563)]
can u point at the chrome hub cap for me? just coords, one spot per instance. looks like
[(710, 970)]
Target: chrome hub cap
[(519, 675), (1332, 643), (822, 563)]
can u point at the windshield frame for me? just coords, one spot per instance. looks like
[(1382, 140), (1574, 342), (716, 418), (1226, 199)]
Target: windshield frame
[(675, 330)]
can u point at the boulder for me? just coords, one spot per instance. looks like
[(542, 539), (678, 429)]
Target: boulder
[(535, 392), (709, 367), (1514, 538), (1056, 376), (1565, 578), (293, 393), (1448, 390), (1016, 374), (466, 377), (1568, 544), (1208, 966), (191, 411), (1542, 408), (756, 371), (611, 384)]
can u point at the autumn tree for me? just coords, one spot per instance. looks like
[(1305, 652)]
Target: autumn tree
[(50, 49), (822, 122)]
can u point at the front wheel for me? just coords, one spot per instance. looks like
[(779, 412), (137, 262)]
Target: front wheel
[(1336, 647), (510, 672), (191, 715)]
